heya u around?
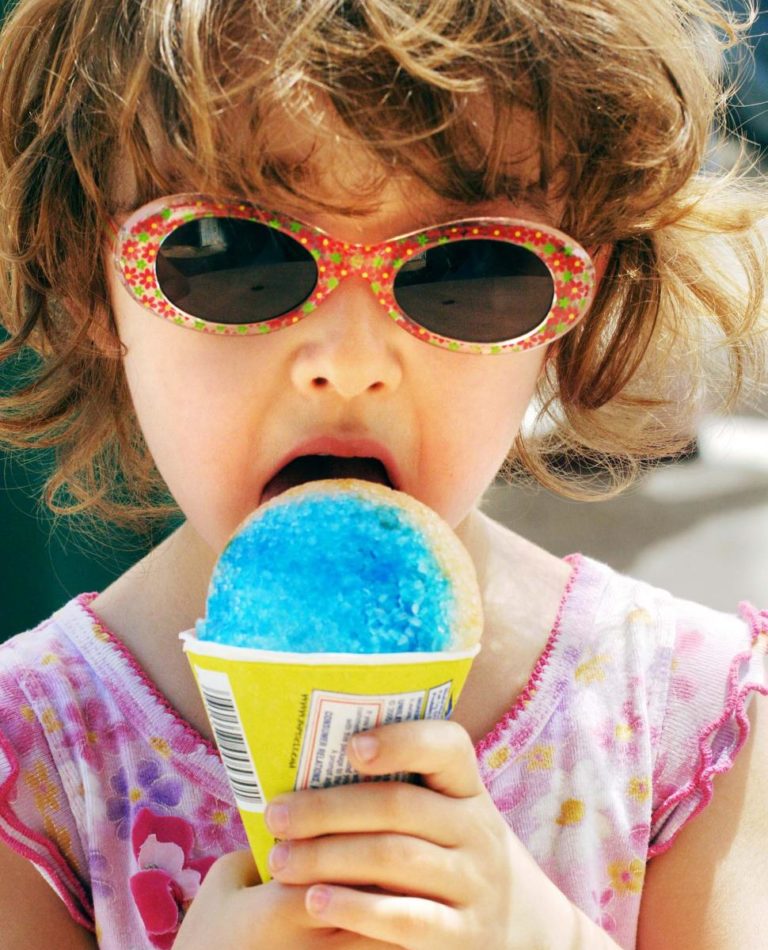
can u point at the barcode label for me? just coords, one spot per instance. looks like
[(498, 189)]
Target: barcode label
[(230, 738)]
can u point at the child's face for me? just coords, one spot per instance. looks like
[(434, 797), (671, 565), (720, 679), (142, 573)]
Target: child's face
[(221, 415)]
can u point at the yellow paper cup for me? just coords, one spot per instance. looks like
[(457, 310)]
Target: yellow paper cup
[(282, 720)]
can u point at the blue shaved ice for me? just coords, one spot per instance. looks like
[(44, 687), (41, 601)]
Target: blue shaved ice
[(330, 571)]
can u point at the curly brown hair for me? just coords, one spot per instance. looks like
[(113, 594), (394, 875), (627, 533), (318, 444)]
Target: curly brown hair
[(621, 97)]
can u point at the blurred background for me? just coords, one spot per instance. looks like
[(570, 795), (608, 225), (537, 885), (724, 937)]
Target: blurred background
[(698, 527)]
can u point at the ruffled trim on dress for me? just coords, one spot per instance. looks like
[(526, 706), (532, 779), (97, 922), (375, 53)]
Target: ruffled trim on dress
[(717, 758), (141, 677), (41, 852), (531, 687)]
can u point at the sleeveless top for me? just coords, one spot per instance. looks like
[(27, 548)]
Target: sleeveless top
[(637, 701)]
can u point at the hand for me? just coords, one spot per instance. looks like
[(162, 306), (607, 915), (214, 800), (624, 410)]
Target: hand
[(234, 911), (427, 868)]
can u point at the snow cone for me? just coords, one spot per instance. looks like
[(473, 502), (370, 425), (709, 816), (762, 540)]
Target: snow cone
[(337, 606)]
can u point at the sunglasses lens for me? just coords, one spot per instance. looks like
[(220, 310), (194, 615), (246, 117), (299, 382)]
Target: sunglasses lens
[(476, 290), (229, 270)]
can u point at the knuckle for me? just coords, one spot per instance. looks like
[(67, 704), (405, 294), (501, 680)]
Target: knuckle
[(394, 850), (304, 861), (397, 800), (408, 922), (311, 811), (459, 736), (228, 865)]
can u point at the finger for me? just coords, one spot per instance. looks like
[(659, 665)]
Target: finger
[(390, 861), (440, 750), (371, 806), (280, 904), (407, 922)]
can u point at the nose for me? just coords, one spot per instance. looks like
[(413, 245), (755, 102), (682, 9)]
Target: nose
[(349, 345)]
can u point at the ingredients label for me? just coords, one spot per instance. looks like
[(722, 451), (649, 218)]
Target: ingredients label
[(333, 717), (282, 722)]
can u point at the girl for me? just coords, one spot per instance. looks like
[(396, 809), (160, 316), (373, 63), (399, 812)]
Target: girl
[(201, 206)]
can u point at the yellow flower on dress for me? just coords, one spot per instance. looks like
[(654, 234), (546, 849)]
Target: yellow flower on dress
[(161, 746), (100, 632), (498, 757), (61, 836), (639, 615), (639, 789), (627, 876), (50, 721), (540, 757), (571, 812), (591, 671), (43, 789), (623, 732)]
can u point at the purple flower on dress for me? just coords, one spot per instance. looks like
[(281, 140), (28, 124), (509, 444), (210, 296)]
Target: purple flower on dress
[(101, 875), (150, 788)]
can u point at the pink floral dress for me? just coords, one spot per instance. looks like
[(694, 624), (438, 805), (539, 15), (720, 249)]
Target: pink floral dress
[(636, 702)]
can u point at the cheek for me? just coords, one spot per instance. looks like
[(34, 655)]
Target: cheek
[(194, 399), (194, 442), (477, 416)]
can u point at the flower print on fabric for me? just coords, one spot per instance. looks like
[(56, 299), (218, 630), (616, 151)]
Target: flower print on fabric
[(627, 876), (218, 825), (569, 816), (685, 687), (102, 875), (168, 879), (151, 788), (623, 735), (602, 915), (66, 667), (91, 732)]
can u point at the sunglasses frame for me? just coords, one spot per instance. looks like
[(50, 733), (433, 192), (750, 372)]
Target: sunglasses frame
[(141, 235)]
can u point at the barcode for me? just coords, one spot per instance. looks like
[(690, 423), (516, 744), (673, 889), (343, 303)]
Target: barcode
[(230, 738)]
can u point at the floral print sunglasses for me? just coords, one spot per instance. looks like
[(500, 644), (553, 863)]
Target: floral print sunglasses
[(486, 285)]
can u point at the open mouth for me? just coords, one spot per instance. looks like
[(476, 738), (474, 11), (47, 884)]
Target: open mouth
[(313, 468)]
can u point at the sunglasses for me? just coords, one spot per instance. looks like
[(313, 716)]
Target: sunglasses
[(486, 285)]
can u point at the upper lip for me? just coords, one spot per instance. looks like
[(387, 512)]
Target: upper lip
[(342, 447)]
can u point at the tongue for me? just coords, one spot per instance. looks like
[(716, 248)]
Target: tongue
[(312, 468)]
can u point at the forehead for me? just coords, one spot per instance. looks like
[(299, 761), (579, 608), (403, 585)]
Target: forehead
[(342, 177)]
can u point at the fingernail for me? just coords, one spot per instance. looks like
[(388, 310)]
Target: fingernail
[(318, 898), (365, 747), (278, 856), (276, 817)]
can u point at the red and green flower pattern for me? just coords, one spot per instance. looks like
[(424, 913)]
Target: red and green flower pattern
[(140, 237)]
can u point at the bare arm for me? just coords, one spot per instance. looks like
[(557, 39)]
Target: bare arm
[(32, 914), (710, 890)]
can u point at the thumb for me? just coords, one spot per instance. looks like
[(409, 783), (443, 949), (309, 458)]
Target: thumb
[(234, 870)]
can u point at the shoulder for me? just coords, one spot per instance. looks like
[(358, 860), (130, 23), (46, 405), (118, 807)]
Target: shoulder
[(33, 653), (696, 671), (41, 674), (709, 889), (653, 625)]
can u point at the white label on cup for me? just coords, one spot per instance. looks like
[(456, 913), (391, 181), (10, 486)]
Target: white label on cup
[(438, 700), (230, 738), (333, 717)]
